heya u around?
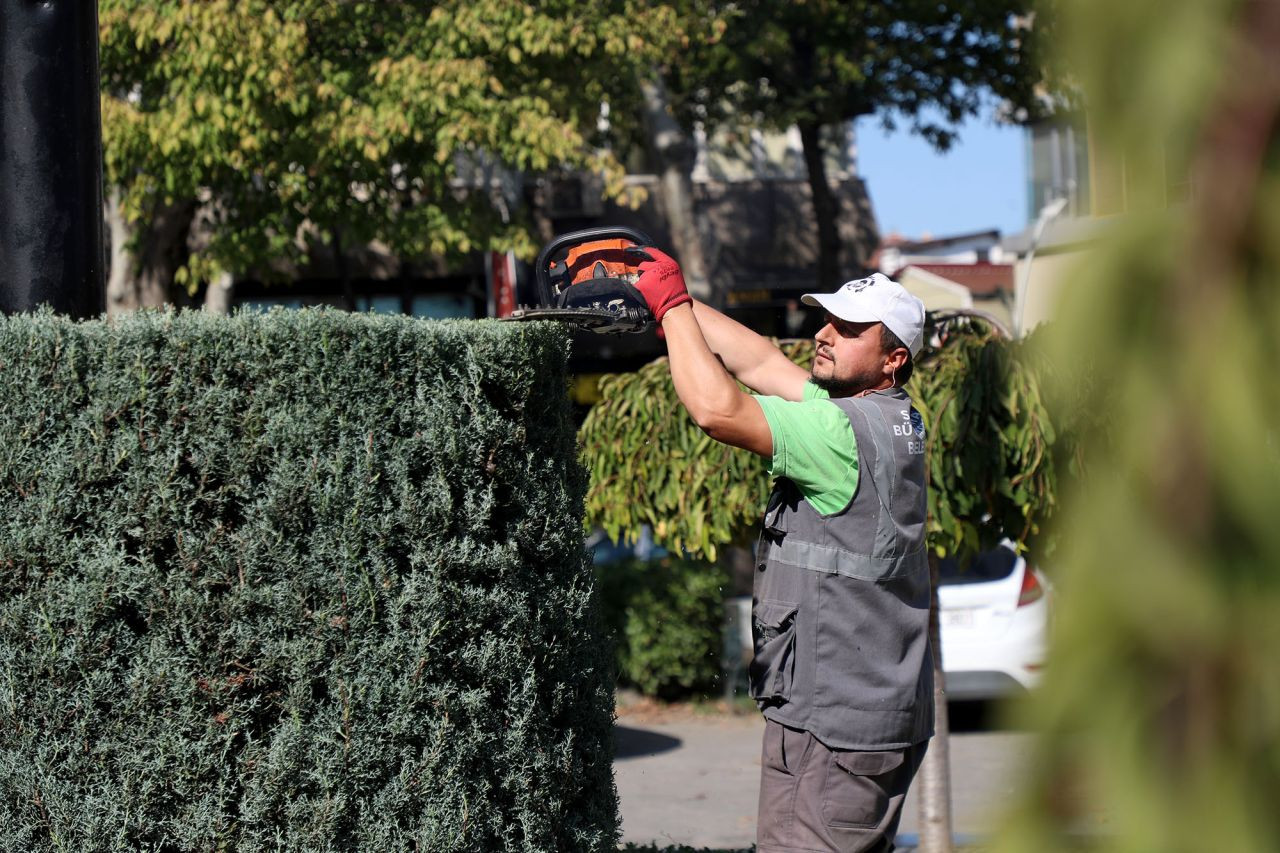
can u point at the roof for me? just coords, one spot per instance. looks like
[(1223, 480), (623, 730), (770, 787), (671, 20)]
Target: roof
[(907, 246), (982, 278)]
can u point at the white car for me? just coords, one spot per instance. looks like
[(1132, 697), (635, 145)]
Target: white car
[(994, 618)]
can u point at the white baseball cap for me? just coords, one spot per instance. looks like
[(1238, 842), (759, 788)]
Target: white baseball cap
[(876, 298)]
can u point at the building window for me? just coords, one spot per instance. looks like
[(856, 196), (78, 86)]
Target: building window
[(1059, 167)]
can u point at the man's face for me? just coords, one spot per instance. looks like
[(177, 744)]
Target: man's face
[(849, 357)]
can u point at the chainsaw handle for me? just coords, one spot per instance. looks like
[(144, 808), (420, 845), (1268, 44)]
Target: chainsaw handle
[(542, 269)]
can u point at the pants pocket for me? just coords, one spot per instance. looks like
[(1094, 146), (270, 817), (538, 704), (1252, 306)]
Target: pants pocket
[(860, 786), (774, 633), (785, 749)]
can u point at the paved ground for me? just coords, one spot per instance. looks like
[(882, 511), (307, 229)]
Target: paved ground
[(689, 777)]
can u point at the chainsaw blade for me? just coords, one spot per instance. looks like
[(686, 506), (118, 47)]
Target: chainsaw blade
[(598, 320)]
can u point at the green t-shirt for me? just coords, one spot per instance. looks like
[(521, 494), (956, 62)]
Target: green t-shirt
[(814, 447)]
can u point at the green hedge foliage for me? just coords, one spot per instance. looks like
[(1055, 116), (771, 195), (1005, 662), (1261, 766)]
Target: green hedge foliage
[(666, 617), (300, 581)]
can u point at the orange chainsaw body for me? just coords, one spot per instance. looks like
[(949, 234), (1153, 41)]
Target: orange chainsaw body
[(599, 259), (587, 279)]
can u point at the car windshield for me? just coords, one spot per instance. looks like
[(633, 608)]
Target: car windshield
[(996, 564)]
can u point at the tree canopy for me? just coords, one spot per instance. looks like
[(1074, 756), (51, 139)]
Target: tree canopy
[(820, 63), (412, 125), (932, 64), (398, 122)]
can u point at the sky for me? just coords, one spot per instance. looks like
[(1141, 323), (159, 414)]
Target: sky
[(979, 184)]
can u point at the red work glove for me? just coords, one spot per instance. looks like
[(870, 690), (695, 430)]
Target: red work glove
[(661, 283)]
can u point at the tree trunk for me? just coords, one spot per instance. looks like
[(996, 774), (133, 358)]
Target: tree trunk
[(674, 153), (217, 298), (825, 211), (120, 296), (935, 772), (143, 262)]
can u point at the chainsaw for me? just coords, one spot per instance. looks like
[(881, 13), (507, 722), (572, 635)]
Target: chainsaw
[(587, 278)]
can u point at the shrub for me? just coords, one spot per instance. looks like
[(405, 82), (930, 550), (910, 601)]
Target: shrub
[(304, 581), (667, 620)]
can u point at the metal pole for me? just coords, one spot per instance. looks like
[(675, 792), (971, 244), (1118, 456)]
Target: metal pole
[(1047, 213), (51, 246)]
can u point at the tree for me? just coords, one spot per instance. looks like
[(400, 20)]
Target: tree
[(288, 125), (996, 454), (673, 153), (821, 63)]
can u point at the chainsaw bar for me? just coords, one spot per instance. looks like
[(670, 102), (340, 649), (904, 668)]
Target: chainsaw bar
[(592, 319)]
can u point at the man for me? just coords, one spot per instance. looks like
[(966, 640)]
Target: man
[(842, 669)]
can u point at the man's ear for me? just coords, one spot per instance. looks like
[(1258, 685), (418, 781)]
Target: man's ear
[(894, 361)]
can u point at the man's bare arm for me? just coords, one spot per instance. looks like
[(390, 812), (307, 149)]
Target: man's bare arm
[(715, 402), (753, 359)]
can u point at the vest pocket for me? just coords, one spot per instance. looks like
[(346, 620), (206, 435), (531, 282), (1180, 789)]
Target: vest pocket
[(773, 624)]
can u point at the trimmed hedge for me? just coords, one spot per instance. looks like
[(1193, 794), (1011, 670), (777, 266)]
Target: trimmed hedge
[(304, 581)]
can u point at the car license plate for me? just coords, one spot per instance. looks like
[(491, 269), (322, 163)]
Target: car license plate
[(959, 618)]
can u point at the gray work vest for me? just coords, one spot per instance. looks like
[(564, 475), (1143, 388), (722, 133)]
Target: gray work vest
[(840, 616)]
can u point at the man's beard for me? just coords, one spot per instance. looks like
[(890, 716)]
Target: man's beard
[(847, 387)]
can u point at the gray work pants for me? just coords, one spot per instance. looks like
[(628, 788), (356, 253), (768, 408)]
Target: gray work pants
[(815, 799)]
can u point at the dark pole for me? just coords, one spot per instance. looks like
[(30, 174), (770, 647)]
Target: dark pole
[(51, 249)]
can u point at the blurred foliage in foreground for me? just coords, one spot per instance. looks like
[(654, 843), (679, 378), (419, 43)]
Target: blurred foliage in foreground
[(994, 451), (1162, 699)]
